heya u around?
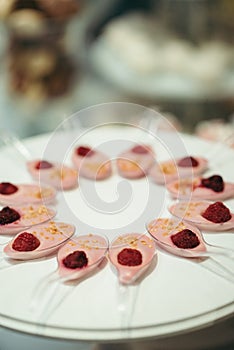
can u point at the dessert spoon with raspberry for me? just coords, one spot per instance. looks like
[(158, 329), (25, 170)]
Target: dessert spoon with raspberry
[(182, 239)]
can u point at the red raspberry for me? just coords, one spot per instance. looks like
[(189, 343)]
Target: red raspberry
[(7, 188), (214, 182), (185, 239), (8, 215), (43, 164), (188, 162), (217, 213), (77, 259), (140, 149), (84, 151), (25, 242), (130, 257)]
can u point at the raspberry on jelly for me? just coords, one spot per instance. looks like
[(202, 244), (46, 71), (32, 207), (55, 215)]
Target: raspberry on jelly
[(8, 215), (7, 188), (84, 151), (140, 149), (130, 257), (214, 182), (185, 239), (43, 164), (217, 213), (188, 162), (25, 242), (75, 260)]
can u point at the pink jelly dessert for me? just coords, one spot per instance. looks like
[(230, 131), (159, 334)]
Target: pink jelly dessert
[(40, 241), (135, 162), (25, 242), (26, 193), (131, 254), (81, 256), (204, 214), (130, 257), (217, 213), (211, 188), (177, 237), (171, 170), (56, 175), (8, 215), (77, 259), (91, 164), (14, 220), (7, 188), (185, 239)]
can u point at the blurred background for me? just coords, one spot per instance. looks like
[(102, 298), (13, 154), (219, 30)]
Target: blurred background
[(60, 56)]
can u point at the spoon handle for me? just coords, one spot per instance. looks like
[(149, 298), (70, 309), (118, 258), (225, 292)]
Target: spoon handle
[(11, 140), (214, 250), (41, 289), (4, 263), (2, 244), (48, 295), (127, 298), (218, 268)]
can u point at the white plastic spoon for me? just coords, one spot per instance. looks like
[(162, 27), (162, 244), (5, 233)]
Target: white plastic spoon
[(77, 259), (171, 170), (39, 241), (18, 194), (201, 213), (184, 240), (54, 174), (194, 188), (131, 254), (18, 218), (135, 162), (91, 163)]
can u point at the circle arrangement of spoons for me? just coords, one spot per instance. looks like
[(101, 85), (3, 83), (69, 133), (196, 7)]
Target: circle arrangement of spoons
[(130, 254)]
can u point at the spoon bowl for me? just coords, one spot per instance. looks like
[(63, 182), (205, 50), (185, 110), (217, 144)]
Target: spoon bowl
[(51, 237), (163, 229), (29, 216), (170, 170), (187, 188), (95, 248), (135, 162), (131, 243), (29, 193), (56, 175), (91, 163), (191, 211)]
